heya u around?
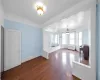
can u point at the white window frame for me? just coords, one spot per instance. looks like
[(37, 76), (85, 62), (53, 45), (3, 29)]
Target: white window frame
[(80, 35), (64, 40), (70, 38)]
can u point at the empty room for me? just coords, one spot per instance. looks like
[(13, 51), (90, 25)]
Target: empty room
[(49, 39)]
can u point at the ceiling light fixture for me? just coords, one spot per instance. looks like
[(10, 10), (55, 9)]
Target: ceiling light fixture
[(40, 7), (67, 31)]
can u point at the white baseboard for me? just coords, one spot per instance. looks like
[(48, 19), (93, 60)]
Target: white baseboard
[(52, 49), (29, 58), (45, 54), (22, 61)]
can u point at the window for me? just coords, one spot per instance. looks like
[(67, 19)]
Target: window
[(72, 38), (64, 38), (80, 38), (54, 39), (58, 39)]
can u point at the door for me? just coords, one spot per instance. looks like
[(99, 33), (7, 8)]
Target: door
[(12, 49)]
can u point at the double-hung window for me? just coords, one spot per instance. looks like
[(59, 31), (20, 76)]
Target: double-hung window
[(80, 38), (72, 38), (64, 38), (57, 39), (54, 39)]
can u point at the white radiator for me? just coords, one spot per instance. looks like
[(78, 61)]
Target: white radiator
[(72, 47)]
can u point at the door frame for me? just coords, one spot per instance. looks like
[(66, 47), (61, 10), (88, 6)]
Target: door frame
[(20, 41)]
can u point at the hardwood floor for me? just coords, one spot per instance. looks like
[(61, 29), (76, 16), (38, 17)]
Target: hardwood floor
[(58, 67)]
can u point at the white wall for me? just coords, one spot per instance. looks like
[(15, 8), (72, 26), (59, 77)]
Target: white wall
[(79, 70), (1, 23), (1, 14), (0, 52), (46, 41), (89, 72), (46, 44)]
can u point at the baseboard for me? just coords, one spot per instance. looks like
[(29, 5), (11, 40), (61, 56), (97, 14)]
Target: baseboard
[(29, 58), (45, 54), (24, 60)]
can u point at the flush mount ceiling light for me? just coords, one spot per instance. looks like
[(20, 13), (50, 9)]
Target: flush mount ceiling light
[(67, 31), (40, 8)]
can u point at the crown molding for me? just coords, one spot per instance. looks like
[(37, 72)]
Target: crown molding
[(16, 18), (85, 4)]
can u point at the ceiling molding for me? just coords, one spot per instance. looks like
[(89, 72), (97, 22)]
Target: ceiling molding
[(16, 18), (74, 9), (27, 9)]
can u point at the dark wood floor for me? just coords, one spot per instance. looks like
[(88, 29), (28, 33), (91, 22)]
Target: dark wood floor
[(58, 67)]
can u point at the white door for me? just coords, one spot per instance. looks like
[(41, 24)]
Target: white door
[(12, 49)]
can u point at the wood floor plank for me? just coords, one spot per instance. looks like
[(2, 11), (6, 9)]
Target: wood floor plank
[(57, 67)]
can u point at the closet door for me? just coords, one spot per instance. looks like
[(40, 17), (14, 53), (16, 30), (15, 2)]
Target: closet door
[(12, 49)]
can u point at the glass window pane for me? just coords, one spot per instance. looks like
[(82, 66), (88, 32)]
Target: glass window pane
[(80, 42), (51, 38), (64, 41), (72, 38), (80, 35), (56, 39), (72, 42), (80, 38)]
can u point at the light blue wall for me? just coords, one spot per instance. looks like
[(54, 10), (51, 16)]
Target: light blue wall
[(98, 40), (31, 40)]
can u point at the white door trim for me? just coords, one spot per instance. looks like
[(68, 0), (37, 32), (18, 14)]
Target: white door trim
[(20, 41)]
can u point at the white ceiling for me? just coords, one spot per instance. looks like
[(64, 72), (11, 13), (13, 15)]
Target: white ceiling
[(76, 21), (25, 8)]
